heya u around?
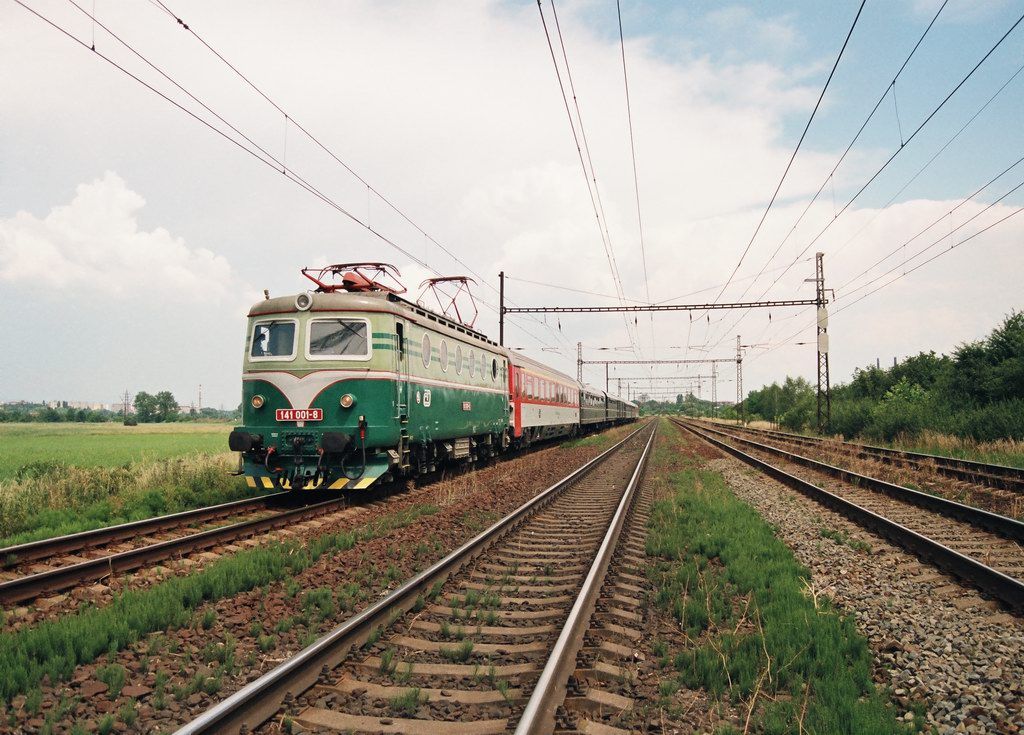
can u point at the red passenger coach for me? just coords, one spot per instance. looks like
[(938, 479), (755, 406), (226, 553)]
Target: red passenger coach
[(544, 402)]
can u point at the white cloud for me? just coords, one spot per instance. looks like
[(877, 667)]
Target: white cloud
[(453, 111), (94, 245)]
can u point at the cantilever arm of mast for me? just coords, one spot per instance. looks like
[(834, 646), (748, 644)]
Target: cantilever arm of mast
[(657, 362), (661, 307)]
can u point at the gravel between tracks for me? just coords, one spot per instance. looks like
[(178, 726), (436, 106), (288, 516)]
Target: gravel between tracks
[(468, 503), (935, 641)]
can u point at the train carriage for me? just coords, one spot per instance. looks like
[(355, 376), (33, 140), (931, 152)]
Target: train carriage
[(545, 402), (593, 407)]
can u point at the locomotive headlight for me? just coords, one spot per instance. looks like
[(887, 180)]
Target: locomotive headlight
[(347, 401), (303, 301), (257, 401)]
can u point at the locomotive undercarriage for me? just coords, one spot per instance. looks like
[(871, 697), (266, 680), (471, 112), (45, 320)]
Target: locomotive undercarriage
[(300, 462)]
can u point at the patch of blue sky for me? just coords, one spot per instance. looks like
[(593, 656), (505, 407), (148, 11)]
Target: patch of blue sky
[(802, 38)]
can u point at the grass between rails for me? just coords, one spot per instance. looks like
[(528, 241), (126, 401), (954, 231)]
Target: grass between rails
[(48, 500), (790, 661), (54, 648)]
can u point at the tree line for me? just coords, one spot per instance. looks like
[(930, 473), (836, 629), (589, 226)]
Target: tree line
[(149, 409), (977, 392)]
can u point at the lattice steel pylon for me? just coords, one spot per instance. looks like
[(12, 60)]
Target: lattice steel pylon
[(824, 392), (739, 381), (714, 390)]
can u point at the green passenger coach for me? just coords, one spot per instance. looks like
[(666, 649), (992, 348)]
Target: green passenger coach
[(352, 383)]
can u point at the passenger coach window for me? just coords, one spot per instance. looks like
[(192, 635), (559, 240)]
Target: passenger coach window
[(274, 339), (338, 339)]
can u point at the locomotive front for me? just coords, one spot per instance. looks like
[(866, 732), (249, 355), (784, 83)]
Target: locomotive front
[(318, 392)]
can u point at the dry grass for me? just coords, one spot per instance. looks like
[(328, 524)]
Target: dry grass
[(55, 499), (1003, 451)]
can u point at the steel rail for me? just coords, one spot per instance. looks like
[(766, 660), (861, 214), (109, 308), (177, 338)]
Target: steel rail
[(985, 473), (549, 692), (261, 699), (1007, 527), (1001, 586), (45, 548), (52, 580)]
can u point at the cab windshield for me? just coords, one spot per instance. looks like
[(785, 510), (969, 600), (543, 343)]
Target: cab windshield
[(338, 338), (273, 339)]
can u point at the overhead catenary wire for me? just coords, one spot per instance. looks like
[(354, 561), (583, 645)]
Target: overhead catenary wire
[(561, 287), (963, 202), (257, 152), (931, 160), (289, 119), (594, 192), (632, 150), (945, 146), (830, 177), (937, 255), (796, 150), (931, 115), (789, 340), (938, 241)]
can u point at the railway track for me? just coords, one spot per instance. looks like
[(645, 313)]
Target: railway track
[(962, 470), (981, 548), (59, 564), (47, 566), (485, 640), (50, 548)]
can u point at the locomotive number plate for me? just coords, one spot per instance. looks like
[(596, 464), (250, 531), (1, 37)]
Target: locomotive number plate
[(299, 414)]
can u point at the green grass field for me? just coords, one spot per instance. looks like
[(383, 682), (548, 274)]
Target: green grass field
[(105, 445), (64, 478)]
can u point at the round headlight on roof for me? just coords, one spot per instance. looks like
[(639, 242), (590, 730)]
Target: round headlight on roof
[(303, 301), (257, 401), (347, 401)]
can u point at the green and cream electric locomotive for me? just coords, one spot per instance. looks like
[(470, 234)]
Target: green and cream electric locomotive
[(350, 383)]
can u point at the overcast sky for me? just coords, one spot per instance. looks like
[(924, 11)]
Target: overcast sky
[(133, 238)]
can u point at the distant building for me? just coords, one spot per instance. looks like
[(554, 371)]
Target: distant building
[(88, 405)]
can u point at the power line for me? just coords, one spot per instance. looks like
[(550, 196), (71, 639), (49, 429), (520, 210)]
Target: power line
[(936, 242), (885, 165), (595, 194), (560, 287), (256, 151), (796, 150), (931, 160), (937, 255), (965, 200), (830, 178), (632, 150), (316, 141), (917, 130), (985, 229), (292, 120), (911, 180)]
